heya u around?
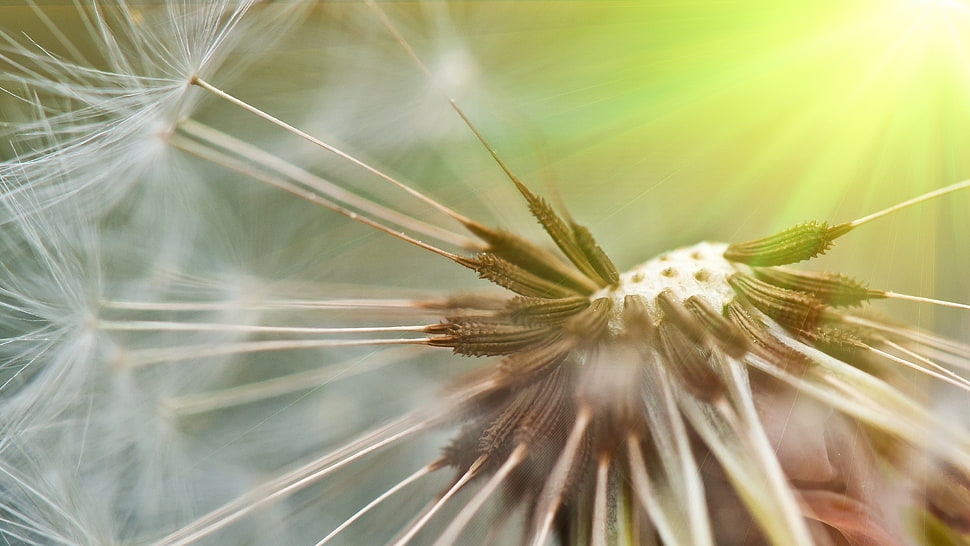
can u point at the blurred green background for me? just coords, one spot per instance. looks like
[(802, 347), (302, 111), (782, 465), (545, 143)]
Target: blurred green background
[(665, 123), (660, 123)]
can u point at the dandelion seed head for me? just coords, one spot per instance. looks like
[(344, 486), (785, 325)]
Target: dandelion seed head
[(700, 270)]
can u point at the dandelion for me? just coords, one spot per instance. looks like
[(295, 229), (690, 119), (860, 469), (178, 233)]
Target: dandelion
[(226, 368)]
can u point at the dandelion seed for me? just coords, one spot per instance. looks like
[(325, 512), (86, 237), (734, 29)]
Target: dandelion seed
[(102, 126), (209, 377)]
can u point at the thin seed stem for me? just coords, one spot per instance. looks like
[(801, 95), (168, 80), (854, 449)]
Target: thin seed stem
[(638, 473), (254, 154), (943, 303), (221, 158), (306, 136), (416, 527), (343, 305), (295, 481), (203, 402), (953, 352), (600, 511), (150, 325), (145, 357), (937, 371), (916, 200), (424, 471), (460, 521), (552, 493)]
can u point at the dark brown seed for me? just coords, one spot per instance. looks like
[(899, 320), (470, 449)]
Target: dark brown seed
[(689, 361), (474, 338), (727, 336), (762, 341), (508, 275), (534, 259), (543, 311), (797, 311), (832, 288)]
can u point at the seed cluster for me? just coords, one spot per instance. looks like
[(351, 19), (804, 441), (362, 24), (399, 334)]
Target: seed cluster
[(573, 400)]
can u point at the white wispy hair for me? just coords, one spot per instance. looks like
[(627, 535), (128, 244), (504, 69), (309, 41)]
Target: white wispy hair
[(91, 452), (102, 117)]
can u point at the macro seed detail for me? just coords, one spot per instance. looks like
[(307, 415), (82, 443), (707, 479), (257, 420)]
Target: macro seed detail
[(675, 271), (575, 392), (711, 395)]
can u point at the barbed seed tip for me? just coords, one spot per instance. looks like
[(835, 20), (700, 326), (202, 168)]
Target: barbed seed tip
[(806, 241), (795, 244)]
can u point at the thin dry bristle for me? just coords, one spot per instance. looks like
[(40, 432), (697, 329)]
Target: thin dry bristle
[(310, 138), (377, 500), (952, 188), (235, 163)]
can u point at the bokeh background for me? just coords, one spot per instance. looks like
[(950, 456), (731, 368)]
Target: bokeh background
[(659, 123), (665, 123)]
